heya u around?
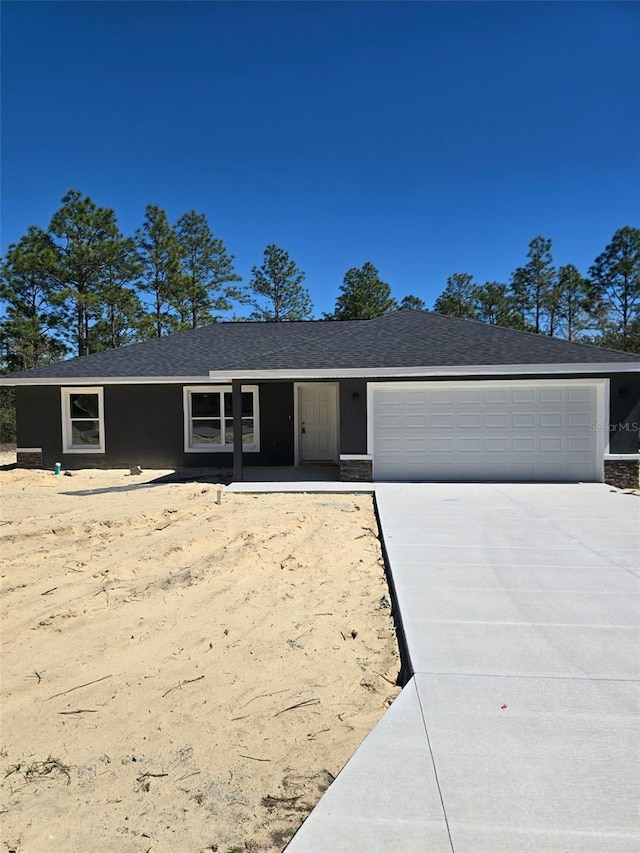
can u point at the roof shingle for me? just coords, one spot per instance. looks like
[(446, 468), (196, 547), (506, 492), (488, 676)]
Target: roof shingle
[(404, 339)]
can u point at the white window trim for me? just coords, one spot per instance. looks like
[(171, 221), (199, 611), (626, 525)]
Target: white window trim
[(188, 390), (67, 432)]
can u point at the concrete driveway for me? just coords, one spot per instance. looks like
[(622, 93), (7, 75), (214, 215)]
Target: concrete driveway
[(519, 729)]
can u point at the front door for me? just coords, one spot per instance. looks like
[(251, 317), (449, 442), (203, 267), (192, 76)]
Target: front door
[(317, 422)]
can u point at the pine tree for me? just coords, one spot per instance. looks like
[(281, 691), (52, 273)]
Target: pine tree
[(495, 305), (120, 314), (159, 253), (31, 327), (275, 290), (532, 286), (363, 295), (88, 248), (458, 297), (615, 275), (206, 274), (575, 301), (413, 303)]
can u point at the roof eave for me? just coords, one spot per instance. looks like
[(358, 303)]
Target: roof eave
[(582, 368), (431, 371)]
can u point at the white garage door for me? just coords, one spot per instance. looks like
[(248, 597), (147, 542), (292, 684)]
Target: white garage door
[(549, 431)]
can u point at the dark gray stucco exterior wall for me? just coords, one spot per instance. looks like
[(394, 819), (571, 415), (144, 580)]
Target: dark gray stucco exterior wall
[(38, 420), (353, 416), (144, 425), (624, 414), (276, 425)]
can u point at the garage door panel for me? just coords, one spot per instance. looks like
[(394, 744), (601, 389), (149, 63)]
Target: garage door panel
[(417, 421), (579, 395), (414, 402), (468, 421), (497, 396), (443, 395), (469, 396), (580, 419), (523, 420), (523, 395), (551, 420), (496, 445), (389, 446), (441, 421), (550, 471), (525, 444), (574, 473), (507, 432), (578, 444), (551, 395), (442, 445), (496, 420), (391, 421)]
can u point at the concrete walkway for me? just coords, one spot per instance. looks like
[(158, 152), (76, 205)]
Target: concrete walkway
[(302, 486), (519, 728)]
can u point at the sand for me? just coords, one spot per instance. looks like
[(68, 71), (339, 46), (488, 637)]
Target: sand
[(179, 675)]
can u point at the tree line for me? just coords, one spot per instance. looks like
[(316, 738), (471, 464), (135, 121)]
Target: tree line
[(81, 286), (601, 308)]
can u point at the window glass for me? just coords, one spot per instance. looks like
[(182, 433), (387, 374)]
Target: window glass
[(205, 405), (247, 431), (83, 426), (247, 404), (85, 433), (209, 419), (206, 432), (84, 405), (228, 404)]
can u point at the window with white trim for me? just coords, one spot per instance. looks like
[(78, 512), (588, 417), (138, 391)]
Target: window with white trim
[(82, 420), (208, 419)]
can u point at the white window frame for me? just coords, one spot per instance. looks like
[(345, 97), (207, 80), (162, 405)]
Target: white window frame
[(67, 421), (189, 447)]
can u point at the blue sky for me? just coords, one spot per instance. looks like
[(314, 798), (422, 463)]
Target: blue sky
[(427, 138)]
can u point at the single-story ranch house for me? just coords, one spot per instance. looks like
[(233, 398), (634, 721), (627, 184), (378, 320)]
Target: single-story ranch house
[(408, 396)]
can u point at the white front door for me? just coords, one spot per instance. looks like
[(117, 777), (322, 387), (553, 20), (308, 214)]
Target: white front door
[(317, 421)]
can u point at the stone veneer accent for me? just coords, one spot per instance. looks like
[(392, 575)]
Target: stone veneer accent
[(622, 473), (29, 458), (356, 470)]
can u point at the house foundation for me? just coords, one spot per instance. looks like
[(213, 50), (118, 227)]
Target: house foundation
[(356, 469), (29, 457), (622, 473)]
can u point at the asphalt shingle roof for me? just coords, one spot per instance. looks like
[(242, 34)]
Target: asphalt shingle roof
[(404, 339)]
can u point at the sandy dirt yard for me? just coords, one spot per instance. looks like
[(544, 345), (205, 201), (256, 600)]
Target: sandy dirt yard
[(180, 676)]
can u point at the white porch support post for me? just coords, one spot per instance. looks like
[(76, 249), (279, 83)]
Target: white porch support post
[(236, 391)]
